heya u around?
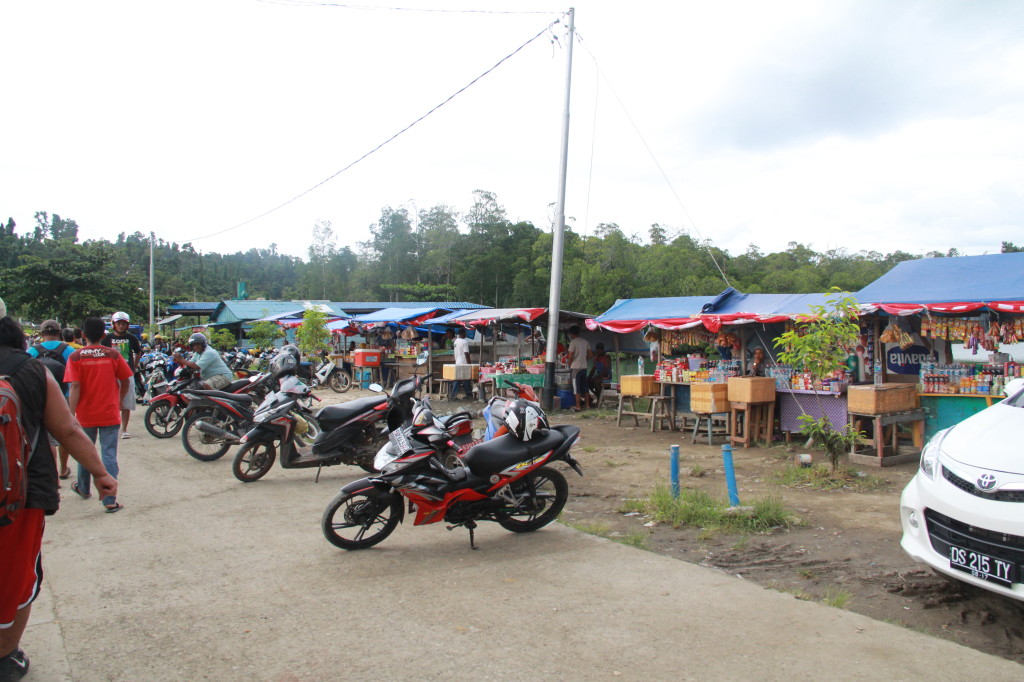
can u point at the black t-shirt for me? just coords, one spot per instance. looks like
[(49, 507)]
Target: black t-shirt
[(126, 344), (29, 383)]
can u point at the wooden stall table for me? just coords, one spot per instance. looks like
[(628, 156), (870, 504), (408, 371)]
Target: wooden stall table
[(885, 406), (633, 387), (709, 403), (757, 419)]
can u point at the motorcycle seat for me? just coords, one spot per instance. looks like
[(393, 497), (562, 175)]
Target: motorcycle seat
[(244, 398), (505, 451), (333, 415)]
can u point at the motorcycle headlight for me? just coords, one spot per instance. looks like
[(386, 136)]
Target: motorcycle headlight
[(930, 454)]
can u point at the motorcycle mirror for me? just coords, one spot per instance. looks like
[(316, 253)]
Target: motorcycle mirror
[(377, 388)]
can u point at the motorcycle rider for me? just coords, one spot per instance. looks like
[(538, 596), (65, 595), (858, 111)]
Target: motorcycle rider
[(213, 372)]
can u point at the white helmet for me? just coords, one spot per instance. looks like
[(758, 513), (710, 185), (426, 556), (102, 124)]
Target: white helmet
[(118, 316), (525, 420)]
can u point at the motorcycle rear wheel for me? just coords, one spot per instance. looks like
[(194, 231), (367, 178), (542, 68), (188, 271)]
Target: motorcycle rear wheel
[(340, 381), (253, 460), (540, 495), (356, 521), (204, 447), (162, 419)]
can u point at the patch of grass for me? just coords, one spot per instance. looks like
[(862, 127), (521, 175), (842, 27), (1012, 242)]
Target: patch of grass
[(638, 539), (599, 528), (697, 471), (836, 596), (806, 573), (740, 544), (590, 448), (822, 477), (697, 508), (613, 464)]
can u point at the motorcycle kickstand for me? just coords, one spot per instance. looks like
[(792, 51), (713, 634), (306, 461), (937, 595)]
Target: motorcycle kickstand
[(469, 525), (318, 470)]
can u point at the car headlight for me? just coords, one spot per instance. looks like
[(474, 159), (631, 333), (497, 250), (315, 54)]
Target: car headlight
[(930, 454)]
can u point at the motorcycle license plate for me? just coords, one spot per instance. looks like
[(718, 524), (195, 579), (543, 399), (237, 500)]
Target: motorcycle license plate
[(400, 442), (981, 565)]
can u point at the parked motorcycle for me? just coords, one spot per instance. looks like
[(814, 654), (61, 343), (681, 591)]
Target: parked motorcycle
[(216, 420), (349, 433), (163, 418), (327, 373), (507, 480)]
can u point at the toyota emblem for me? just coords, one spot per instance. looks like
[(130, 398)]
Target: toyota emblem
[(986, 482)]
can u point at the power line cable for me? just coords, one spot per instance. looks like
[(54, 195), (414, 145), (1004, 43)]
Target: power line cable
[(387, 141), (655, 160)]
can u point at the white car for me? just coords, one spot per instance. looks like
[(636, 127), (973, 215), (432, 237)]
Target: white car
[(963, 512)]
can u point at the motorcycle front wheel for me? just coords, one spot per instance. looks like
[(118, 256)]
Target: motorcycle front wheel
[(253, 460), (162, 419), (202, 446), (540, 497), (357, 521), (340, 381)]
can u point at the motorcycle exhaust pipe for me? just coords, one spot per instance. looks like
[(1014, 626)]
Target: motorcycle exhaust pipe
[(211, 430)]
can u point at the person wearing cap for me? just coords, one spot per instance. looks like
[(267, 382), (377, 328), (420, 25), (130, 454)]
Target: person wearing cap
[(50, 334), (121, 340)]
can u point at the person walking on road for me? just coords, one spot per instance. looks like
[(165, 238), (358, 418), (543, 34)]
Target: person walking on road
[(54, 353), (579, 354), (42, 407), (98, 379), (126, 343)]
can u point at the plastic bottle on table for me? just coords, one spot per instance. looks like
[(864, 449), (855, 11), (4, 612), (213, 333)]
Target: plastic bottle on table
[(878, 373), (640, 365)]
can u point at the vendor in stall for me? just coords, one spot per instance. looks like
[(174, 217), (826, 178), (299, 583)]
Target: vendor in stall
[(758, 365)]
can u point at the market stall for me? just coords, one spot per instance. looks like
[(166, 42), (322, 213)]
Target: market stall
[(951, 326)]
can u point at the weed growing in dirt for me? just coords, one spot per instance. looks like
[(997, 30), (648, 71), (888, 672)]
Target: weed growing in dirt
[(740, 544), (601, 529), (592, 527), (638, 539), (806, 573), (590, 448), (613, 464), (698, 508), (836, 596), (697, 471), (825, 478)]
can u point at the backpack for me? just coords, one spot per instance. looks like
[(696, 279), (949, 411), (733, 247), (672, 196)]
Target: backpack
[(53, 360), (15, 449)]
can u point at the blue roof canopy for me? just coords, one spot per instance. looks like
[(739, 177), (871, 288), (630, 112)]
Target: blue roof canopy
[(963, 279)]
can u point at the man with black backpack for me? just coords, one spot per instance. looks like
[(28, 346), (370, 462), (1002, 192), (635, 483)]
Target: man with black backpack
[(53, 353)]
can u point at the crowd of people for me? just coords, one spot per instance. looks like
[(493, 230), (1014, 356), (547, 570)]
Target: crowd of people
[(73, 388)]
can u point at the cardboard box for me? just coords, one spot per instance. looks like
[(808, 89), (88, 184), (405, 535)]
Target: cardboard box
[(639, 384), (706, 398), (751, 389), (881, 399), (367, 357), (461, 372)]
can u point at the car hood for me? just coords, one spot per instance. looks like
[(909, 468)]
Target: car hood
[(992, 439)]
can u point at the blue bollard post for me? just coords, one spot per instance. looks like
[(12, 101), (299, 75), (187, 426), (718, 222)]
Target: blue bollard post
[(730, 476), (674, 469)]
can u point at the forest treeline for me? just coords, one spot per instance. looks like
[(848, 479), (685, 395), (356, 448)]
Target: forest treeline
[(437, 254)]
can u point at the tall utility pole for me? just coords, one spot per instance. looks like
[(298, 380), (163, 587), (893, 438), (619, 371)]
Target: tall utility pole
[(151, 238), (557, 242)]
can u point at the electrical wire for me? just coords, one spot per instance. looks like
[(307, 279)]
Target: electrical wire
[(664, 175), (387, 141)]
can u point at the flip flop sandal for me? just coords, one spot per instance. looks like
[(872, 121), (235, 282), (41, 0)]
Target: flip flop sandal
[(84, 496), (65, 475), (116, 508)]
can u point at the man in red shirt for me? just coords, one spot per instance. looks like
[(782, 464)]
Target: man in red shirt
[(98, 378)]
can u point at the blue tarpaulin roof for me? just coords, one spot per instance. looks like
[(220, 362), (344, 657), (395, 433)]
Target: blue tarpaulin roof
[(396, 314), (996, 277)]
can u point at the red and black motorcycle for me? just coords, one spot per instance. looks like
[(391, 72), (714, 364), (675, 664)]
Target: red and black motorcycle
[(166, 413), (508, 480)]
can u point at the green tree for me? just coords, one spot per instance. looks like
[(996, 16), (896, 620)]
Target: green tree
[(264, 334), (312, 335), (222, 339), (820, 347)]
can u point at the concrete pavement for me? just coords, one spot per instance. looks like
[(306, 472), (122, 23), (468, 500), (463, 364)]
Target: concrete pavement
[(203, 577)]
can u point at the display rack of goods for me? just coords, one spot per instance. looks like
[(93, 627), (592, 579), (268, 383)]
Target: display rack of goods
[(881, 399), (367, 357), (638, 384), (751, 389), (460, 372), (709, 398)]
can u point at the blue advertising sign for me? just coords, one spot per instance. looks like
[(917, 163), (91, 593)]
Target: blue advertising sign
[(908, 361)]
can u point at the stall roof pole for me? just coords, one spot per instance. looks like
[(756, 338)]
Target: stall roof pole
[(557, 244)]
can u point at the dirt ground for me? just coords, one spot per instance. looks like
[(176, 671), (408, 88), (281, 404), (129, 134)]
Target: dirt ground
[(846, 540)]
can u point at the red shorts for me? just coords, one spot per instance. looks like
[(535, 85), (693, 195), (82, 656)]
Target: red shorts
[(21, 564)]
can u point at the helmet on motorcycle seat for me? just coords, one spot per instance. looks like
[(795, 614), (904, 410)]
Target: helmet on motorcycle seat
[(287, 360), (525, 420), (198, 338), (119, 316)]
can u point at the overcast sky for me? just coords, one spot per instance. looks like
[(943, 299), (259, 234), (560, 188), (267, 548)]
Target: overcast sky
[(866, 125)]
